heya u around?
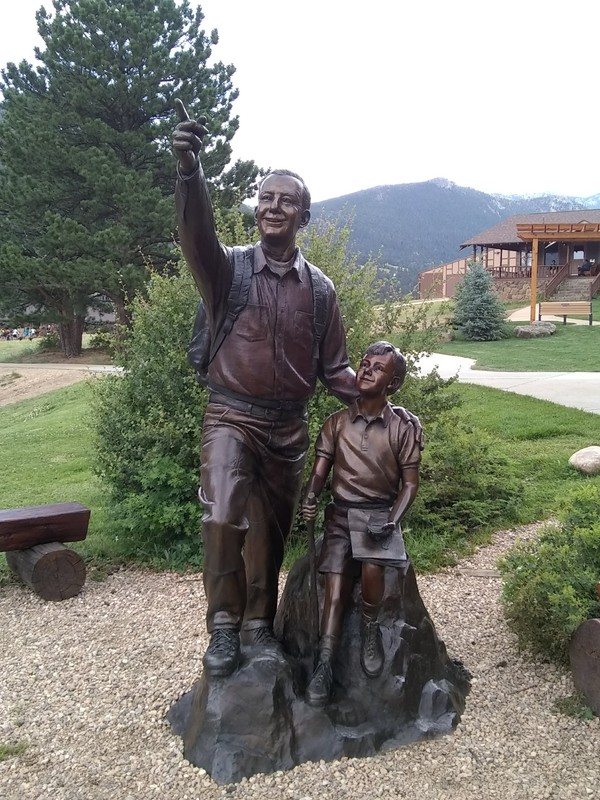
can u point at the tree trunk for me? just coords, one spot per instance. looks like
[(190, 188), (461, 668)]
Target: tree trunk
[(71, 336), (122, 313)]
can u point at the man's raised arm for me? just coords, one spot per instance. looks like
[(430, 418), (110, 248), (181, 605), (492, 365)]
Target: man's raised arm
[(202, 250)]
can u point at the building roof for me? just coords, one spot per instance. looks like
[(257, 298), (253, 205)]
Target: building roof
[(505, 233)]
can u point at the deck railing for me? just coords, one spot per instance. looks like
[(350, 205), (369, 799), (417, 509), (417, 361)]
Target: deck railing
[(595, 286), (544, 271)]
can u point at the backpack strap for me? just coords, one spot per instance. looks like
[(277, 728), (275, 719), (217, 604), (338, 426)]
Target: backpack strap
[(243, 266), (320, 296)]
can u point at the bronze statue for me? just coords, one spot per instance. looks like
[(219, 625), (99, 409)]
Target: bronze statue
[(255, 434), (375, 457), (260, 377)]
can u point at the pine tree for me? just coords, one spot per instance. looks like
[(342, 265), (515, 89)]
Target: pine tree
[(478, 311), (87, 172)]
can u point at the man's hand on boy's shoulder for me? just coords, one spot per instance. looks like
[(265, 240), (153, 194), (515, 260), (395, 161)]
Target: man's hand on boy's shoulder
[(407, 416)]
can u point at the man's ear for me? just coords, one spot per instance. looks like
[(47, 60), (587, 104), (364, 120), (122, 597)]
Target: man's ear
[(305, 218), (255, 213)]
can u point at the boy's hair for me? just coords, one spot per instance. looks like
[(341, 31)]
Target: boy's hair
[(290, 174), (380, 349)]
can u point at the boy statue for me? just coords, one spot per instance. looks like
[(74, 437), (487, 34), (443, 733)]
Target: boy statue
[(375, 457)]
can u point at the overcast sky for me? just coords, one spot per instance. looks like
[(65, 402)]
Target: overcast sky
[(499, 95)]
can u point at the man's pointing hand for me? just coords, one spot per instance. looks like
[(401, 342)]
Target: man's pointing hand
[(187, 138)]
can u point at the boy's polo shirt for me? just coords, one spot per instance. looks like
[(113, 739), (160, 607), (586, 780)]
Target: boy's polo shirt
[(368, 456)]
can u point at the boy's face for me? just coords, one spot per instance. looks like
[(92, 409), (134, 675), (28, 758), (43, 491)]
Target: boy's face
[(375, 374)]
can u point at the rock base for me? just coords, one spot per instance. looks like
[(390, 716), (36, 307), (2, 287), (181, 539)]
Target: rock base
[(257, 721)]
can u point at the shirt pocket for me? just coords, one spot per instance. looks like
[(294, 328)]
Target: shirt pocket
[(253, 323), (303, 327)]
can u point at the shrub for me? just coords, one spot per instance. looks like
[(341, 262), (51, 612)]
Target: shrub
[(466, 489), (550, 583), (478, 312), (147, 426)]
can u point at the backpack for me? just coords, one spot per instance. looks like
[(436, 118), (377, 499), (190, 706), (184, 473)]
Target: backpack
[(202, 348)]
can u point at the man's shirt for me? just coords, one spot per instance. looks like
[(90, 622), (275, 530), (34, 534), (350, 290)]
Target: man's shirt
[(270, 352)]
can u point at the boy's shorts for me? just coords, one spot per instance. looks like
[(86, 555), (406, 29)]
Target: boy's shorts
[(336, 550)]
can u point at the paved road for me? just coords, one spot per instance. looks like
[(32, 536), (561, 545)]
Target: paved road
[(575, 389)]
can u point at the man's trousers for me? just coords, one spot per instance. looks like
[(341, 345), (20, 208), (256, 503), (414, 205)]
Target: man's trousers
[(250, 484)]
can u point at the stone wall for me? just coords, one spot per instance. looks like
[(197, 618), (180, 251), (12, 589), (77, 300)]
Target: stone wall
[(516, 290)]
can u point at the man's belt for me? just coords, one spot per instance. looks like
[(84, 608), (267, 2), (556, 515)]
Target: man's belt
[(258, 406), (374, 505)]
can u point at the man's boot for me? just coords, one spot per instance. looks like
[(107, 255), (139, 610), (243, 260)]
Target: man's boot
[(319, 688), (223, 653), (259, 633), (371, 654)]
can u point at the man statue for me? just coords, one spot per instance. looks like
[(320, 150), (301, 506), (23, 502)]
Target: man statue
[(255, 435)]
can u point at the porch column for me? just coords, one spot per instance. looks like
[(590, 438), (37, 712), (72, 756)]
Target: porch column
[(534, 270)]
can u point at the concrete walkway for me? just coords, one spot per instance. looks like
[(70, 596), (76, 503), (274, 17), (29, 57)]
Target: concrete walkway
[(574, 389)]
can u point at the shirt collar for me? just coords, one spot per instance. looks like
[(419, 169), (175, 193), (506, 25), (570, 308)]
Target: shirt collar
[(260, 262), (385, 416)]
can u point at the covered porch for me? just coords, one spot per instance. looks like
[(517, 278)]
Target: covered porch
[(577, 245)]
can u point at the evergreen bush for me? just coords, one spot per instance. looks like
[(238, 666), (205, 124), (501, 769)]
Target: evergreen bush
[(478, 311), (550, 582)]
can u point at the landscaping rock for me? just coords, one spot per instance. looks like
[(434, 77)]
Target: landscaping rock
[(535, 330), (587, 460)]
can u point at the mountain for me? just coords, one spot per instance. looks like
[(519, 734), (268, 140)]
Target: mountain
[(415, 226)]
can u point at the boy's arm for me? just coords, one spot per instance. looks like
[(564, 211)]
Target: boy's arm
[(316, 482), (406, 495)]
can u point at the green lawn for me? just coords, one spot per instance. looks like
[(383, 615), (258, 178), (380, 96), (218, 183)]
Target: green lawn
[(573, 348), (47, 457), (537, 437), (16, 352)]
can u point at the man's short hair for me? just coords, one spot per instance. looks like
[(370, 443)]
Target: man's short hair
[(381, 348), (290, 174)]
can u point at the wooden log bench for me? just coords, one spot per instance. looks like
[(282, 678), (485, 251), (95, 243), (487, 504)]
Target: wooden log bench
[(32, 539), (566, 308)]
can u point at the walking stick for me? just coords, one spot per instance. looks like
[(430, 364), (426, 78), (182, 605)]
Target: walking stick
[(312, 585)]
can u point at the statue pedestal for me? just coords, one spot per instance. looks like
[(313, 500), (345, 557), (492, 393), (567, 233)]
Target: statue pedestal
[(256, 720)]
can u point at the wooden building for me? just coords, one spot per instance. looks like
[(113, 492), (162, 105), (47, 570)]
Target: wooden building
[(526, 249)]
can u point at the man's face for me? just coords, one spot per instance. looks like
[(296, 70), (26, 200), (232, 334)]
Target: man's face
[(279, 214), (375, 374)]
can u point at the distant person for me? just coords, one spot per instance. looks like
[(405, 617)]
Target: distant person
[(584, 268)]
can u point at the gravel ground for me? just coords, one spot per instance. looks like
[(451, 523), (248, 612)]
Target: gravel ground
[(86, 684)]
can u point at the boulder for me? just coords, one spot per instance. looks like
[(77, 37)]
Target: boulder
[(587, 460), (256, 720), (535, 330)]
